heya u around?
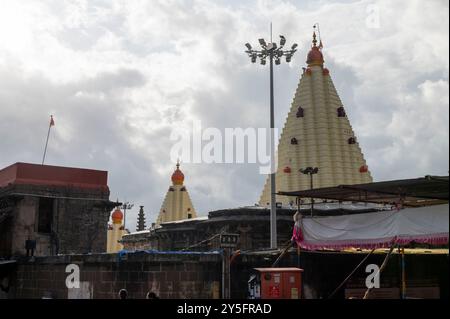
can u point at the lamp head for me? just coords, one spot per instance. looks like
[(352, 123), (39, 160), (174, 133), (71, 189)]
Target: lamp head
[(307, 170)]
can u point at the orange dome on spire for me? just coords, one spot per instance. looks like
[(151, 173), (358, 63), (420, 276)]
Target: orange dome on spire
[(178, 176), (315, 56), (117, 216)]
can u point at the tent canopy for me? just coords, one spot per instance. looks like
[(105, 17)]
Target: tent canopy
[(428, 225), (417, 192)]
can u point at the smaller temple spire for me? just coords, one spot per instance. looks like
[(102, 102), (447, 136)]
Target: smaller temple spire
[(115, 231), (141, 219), (177, 204)]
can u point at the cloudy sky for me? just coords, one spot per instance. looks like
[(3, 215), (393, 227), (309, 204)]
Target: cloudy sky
[(118, 76)]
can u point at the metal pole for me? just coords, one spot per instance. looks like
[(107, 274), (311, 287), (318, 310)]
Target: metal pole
[(403, 273), (124, 216), (383, 265), (229, 273), (312, 199), (298, 246), (351, 274), (290, 244), (226, 274), (223, 275), (46, 144), (273, 207)]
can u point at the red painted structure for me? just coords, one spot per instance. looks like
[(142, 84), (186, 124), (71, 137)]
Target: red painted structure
[(46, 175), (280, 283)]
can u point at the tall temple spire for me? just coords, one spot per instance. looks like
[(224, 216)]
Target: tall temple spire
[(177, 204), (317, 133), (141, 219)]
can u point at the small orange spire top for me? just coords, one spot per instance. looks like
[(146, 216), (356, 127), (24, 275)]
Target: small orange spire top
[(117, 216), (178, 176), (315, 56)]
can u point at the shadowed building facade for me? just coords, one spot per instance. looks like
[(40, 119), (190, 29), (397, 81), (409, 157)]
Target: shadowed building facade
[(58, 210)]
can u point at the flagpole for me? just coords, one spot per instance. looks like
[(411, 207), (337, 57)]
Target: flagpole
[(46, 142)]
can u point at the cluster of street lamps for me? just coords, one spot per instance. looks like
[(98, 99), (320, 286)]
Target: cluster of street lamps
[(272, 51)]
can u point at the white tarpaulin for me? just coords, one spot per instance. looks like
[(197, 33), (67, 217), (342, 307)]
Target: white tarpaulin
[(376, 230)]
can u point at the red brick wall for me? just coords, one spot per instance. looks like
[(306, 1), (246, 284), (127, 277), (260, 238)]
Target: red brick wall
[(33, 174)]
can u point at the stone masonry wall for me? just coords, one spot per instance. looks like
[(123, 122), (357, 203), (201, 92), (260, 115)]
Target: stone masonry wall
[(179, 276), (79, 225)]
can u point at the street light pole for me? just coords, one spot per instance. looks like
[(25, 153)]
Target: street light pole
[(126, 206), (312, 199), (272, 52), (273, 207), (310, 171)]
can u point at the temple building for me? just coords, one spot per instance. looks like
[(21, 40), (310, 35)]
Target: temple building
[(50, 210), (317, 133), (115, 232), (177, 204)]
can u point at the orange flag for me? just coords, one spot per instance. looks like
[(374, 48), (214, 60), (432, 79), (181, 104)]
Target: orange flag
[(52, 122)]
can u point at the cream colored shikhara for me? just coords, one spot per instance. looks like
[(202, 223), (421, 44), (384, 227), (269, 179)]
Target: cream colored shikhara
[(116, 230), (322, 138), (114, 235), (177, 204)]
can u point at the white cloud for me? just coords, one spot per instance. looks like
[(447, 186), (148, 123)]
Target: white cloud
[(118, 75)]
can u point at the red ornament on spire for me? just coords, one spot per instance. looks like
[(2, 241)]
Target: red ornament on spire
[(178, 176), (364, 169)]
